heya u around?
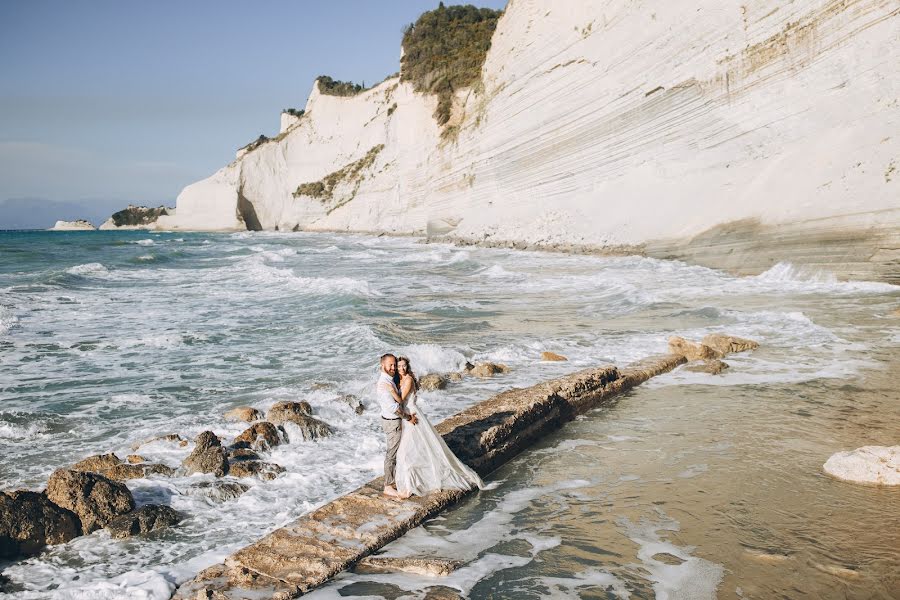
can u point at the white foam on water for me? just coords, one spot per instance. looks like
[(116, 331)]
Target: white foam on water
[(146, 257), (88, 269), (145, 242), (8, 319), (694, 578), (560, 588), (431, 358)]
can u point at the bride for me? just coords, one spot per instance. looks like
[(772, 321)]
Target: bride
[(424, 462)]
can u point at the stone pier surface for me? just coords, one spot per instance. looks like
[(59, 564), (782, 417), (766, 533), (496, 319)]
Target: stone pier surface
[(307, 552)]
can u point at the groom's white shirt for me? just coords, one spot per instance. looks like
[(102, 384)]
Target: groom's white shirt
[(388, 405)]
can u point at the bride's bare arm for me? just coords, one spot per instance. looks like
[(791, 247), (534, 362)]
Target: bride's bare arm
[(406, 387)]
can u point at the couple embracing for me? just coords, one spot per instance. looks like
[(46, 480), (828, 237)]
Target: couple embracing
[(418, 460)]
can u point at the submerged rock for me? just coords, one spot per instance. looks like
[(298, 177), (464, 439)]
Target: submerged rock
[(692, 350), (309, 429), (94, 498), (243, 413), (29, 521), (260, 436), (552, 356), (249, 468), (143, 520), (727, 344), (169, 437), (288, 411), (713, 367), (433, 381), (488, 369), (97, 463), (878, 465), (217, 491), (208, 456), (353, 402), (428, 566)]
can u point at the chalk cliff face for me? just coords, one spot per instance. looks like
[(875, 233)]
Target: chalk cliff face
[(731, 134), (78, 225)]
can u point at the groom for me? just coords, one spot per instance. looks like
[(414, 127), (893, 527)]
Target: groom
[(391, 412)]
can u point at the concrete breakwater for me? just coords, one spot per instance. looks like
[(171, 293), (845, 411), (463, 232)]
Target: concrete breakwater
[(304, 554)]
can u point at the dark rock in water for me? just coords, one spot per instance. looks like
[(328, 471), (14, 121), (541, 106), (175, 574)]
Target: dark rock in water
[(488, 369), (283, 412), (248, 468), (261, 436), (206, 439), (217, 491), (242, 454), (713, 367), (353, 402), (208, 456), (29, 521), (143, 520), (309, 428), (726, 344), (468, 366), (137, 215), (433, 381), (243, 413), (94, 498)]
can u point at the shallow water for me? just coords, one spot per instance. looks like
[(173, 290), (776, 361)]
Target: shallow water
[(111, 338)]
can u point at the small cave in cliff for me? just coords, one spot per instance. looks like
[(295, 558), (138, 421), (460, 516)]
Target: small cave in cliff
[(247, 213)]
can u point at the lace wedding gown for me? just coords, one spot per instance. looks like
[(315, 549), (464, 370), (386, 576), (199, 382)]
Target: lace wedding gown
[(425, 463)]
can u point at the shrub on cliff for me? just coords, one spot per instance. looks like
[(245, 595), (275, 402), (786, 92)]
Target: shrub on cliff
[(445, 49), (138, 215), (333, 87), (294, 112)]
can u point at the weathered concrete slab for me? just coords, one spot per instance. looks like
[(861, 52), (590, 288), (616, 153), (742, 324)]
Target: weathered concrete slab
[(307, 552)]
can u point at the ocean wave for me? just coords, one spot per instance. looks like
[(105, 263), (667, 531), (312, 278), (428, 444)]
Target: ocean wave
[(8, 320), (257, 271), (145, 242), (431, 358), (88, 269), (793, 278), (146, 257)]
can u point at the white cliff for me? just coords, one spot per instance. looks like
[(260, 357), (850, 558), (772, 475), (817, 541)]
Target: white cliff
[(870, 464), (731, 134), (77, 225)]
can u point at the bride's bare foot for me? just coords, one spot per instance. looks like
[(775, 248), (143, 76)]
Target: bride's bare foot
[(391, 492)]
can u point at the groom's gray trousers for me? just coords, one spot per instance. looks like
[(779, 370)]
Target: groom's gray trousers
[(392, 428)]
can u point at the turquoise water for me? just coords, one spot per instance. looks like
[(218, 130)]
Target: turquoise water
[(110, 338)]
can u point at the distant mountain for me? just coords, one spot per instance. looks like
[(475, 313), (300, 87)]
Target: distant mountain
[(40, 213)]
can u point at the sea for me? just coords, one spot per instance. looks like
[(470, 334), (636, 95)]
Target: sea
[(690, 486)]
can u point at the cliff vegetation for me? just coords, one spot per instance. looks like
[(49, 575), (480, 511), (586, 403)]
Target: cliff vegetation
[(444, 50), (333, 87), (138, 215), (323, 190)]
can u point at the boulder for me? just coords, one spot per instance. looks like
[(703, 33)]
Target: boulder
[(29, 521), (243, 413), (249, 468), (260, 436), (353, 402), (713, 366), (488, 369), (879, 465), (309, 428), (135, 459), (427, 566), (143, 520), (109, 465), (217, 491), (692, 350), (726, 344), (433, 381), (282, 412), (552, 356), (208, 456), (94, 498), (455, 376), (97, 463)]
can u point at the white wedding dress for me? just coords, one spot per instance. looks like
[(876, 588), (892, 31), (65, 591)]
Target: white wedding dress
[(425, 463)]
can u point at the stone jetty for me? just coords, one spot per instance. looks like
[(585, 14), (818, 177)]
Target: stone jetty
[(307, 552)]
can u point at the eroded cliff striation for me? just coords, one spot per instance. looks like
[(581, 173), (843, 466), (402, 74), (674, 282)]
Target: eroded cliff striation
[(730, 134)]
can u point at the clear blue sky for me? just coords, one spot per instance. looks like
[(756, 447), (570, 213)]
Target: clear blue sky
[(106, 102)]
